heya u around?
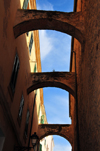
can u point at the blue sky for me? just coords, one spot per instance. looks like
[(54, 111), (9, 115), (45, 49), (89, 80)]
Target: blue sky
[(55, 50)]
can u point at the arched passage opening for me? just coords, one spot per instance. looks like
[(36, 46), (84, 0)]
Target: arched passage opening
[(57, 108), (69, 23), (61, 144), (58, 143), (63, 80)]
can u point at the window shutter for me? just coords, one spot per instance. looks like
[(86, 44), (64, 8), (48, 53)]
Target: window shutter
[(42, 119), (27, 121), (14, 74), (39, 110), (25, 4), (31, 43), (40, 149), (35, 68), (21, 107), (45, 142)]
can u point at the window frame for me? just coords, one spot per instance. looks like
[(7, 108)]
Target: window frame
[(31, 43), (26, 124), (14, 76), (21, 109)]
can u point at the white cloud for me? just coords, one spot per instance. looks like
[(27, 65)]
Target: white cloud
[(46, 43), (62, 100), (62, 147), (57, 45), (63, 51), (45, 6)]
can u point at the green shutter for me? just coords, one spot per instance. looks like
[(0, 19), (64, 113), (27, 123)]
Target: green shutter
[(39, 110), (40, 149), (31, 43), (42, 119), (25, 4), (35, 68)]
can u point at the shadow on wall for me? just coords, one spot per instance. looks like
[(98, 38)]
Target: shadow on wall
[(2, 139)]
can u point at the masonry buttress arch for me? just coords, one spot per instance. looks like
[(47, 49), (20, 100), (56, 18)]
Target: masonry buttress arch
[(63, 130), (70, 23), (63, 80)]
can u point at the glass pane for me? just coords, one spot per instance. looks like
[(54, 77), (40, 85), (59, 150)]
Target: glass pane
[(21, 107), (14, 73)]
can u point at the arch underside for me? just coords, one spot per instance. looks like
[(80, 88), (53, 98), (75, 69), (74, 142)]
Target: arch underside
[(50, 84), (69, 23), (63, 80), (63, 130)]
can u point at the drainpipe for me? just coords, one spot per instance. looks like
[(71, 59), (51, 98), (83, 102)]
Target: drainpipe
[(77, 125)]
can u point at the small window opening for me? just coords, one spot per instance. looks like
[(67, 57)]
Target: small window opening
[(31, 43), (14, 74), (27, 122)]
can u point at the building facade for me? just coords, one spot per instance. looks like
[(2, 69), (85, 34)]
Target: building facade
[(19, 58), (88, 77)]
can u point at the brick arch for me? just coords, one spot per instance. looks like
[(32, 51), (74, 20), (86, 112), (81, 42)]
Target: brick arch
[(69, 23), (63, 80), (63, 130)]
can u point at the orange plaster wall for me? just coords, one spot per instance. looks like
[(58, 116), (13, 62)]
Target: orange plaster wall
[(8, 48), (88, 78)]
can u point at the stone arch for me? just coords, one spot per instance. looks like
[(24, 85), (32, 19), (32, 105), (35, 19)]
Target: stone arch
[(63, 80), (70, 23), (63, 130)]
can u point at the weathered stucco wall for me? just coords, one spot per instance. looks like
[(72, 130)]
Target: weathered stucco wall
[(88, 78), (9, 46)]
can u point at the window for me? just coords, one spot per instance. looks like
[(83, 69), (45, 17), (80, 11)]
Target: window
[(42, 119), (25, 4), (35, 68), (39, 111), (21, 108), (40, 148), (45, 142), (27, 121), (14, 74), (31, 43)]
